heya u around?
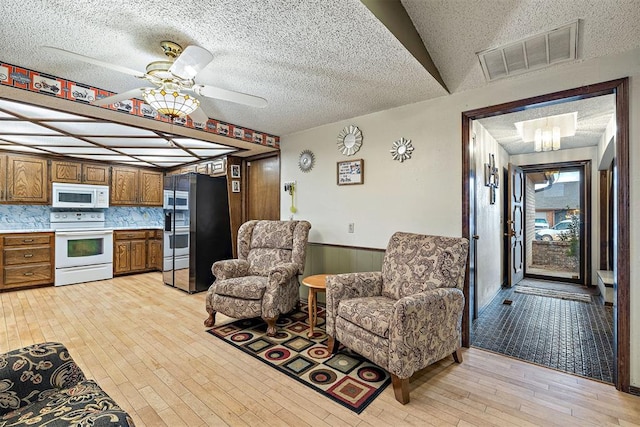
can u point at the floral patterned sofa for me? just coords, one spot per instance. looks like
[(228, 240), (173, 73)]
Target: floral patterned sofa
[(42, 385), (407, 316), (263, 281)]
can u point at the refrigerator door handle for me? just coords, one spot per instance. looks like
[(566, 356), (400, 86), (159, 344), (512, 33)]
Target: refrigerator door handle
[(167, 221)]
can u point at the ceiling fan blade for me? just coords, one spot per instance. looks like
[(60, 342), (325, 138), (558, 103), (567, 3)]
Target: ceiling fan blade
[(199, 116), (94, 61), (190, 62), (229, 95), (133, 93)]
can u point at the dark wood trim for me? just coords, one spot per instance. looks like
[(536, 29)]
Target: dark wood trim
[(622, 308), (634, 390), (347, 247), (467, 230)]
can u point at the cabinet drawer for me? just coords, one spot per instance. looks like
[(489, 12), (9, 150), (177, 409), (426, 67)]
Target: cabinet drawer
[(27, 239), (40, 273), (130, 235), (154, 234), (27, 255)]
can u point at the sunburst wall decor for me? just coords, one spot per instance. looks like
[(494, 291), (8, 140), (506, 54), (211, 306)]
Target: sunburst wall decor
[(401, 149), (349, 140)]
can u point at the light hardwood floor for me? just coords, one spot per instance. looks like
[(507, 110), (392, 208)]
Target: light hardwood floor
[(145, 345)]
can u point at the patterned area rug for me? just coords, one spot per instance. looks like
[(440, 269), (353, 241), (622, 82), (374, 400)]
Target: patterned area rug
[(345, 377), (553, 293)]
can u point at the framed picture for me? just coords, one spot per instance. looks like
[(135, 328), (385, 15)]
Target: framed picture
[(235, 186), (235, 172), (351, 172)]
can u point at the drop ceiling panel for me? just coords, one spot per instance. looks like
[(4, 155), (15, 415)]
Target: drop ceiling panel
[(46, 140), (32, 112), (130, 142), (80, 150), (21, 149), (19, 127), (161, 159), (175, 152), (105, 158), (194, 143), (211, 153), (101, 128)]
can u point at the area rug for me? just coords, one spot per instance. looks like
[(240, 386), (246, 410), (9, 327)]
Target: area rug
[(346, 377), (574, 296)]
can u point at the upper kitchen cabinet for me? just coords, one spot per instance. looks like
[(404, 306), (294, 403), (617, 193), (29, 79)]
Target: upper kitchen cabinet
[(79, 173), (136, 187), (23, 180)]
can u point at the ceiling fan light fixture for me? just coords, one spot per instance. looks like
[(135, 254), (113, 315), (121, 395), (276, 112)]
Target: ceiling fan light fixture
[(170, 102)]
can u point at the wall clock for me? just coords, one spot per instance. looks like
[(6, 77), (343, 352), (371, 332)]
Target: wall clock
[(306, 161), (349, 140)]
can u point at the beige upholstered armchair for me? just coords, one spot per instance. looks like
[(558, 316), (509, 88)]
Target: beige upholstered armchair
[(263, 281), (407, 316)]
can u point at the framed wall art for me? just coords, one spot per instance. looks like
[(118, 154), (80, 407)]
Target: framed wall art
[(235, 186), (351, 172), (235, 171)]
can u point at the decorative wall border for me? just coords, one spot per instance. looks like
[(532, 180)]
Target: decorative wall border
[(46, 84)]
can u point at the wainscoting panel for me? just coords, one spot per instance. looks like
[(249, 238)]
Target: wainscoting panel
[(332, 259)]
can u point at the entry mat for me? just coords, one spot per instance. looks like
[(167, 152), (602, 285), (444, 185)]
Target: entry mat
[(346, 377)]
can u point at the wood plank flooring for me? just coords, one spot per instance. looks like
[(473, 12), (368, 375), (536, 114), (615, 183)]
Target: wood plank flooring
[(145, 345)]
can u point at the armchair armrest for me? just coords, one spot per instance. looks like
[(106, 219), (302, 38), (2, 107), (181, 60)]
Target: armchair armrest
[(230, 268), (27, 372), (349, 285), (424, 328), (281, 274)]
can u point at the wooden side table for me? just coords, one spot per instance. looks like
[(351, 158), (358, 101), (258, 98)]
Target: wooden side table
[(315, 284)]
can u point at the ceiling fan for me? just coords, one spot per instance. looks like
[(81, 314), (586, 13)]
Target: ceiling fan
[(171, 78)]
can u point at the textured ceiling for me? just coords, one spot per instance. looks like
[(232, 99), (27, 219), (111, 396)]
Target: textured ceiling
[(315, 61)]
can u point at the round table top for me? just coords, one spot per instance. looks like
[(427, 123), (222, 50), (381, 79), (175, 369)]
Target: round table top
[(316, 281)]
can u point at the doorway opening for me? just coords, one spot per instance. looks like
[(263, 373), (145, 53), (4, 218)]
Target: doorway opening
[(472, 205)]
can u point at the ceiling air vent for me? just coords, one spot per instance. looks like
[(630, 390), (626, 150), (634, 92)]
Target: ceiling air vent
[(532, 53)]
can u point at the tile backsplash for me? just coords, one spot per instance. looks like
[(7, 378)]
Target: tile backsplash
[(36, 217)]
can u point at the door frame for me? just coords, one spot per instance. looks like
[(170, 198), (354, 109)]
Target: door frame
[(622, 305), (585, 224)]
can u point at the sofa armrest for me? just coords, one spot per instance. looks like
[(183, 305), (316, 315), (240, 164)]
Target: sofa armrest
[(349, 285), (27, 372), (230, 268), (424, 328)]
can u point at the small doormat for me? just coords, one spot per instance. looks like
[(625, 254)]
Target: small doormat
[(553, 293), (346, 377)]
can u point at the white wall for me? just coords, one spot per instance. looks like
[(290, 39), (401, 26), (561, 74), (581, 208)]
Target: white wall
[(489, 218), (424, 193)]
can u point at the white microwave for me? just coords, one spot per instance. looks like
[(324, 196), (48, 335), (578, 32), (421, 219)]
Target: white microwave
[(79, 196)]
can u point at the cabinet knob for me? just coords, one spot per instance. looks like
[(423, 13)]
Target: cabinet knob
[(28, 273), (27, 240), (28, 255)]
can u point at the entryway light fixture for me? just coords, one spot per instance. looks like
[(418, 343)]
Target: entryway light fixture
[(168, 100), (546, 132)]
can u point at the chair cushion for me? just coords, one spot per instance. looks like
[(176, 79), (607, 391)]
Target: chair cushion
[(415, 263), (83, 404), (273, 234), (248, 287), (262, 260), (370, 313)]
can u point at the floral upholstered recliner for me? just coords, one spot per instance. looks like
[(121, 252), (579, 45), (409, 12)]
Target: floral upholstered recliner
[(407, 316), (42, 385), (263, 281)]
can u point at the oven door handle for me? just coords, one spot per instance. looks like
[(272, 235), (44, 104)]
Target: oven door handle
[(82, 233)]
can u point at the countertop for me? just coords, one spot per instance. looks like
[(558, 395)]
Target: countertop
[(22, 229)]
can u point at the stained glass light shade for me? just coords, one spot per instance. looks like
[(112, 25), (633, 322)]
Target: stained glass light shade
[(170, 101)]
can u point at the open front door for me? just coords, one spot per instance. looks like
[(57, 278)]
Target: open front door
[(515, 225)]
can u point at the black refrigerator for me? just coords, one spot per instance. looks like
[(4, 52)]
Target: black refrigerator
[(197, 229)]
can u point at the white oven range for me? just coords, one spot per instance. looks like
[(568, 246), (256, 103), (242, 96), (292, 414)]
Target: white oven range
[(84, 247)]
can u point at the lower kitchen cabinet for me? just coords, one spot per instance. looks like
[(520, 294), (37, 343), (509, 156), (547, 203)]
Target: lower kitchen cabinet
[(136, 251), (27, 260)]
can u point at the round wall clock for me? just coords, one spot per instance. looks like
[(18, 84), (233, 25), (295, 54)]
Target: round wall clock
[(306, 161), (349, 140)]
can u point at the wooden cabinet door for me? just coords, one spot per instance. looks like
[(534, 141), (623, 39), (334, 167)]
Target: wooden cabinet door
[(66, 171), (3, 177), (151, 186), (95, 174), (124, 186), (154, 255), (27, 180), (121, 257), (138, 255)]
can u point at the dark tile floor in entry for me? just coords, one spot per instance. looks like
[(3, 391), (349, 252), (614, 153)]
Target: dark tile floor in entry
[(570, 336)]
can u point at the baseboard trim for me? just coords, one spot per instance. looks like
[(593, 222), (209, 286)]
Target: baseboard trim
[(634, 390)]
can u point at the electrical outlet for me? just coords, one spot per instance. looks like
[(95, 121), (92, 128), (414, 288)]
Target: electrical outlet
[(352, 226)]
